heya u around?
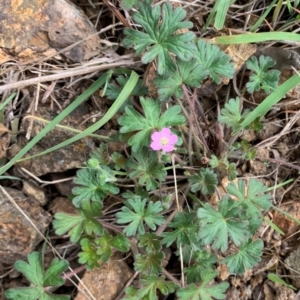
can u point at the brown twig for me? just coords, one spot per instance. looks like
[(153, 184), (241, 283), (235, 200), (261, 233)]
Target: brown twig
[(73, 72)]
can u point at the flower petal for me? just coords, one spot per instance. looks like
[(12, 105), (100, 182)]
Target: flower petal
[(156, 146), (165, 132), (173, 138), (156, 136), (168, 148)]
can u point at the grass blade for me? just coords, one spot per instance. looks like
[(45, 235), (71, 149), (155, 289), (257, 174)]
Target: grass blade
[(129, 86), (272, 99), (256, 37), (2, 106), (221, 12), (93, 88), (263, 17)]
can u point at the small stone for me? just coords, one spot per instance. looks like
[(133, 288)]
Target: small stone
[(287, 225), (34, 192), (248, 135), (269, 129), (17, 235), (62, 204), (293, 262), (107, 282)]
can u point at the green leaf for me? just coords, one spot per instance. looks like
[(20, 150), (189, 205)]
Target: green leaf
[(113, 90), (131, 293), (200, 263), (189, 252), (262, 78), (80, 99), (276, 279), (214, 162), (105, 249), (28, 293), (253, 198), (149, 241), (184, 230), (218, 226), (151, 284), (51, 277), (107, 243), (95, 182), (189, 73), (232, 172), (214, 61), (231, 114), (159, 39), (101, 154), (138, 191), (273, 226), (121, 243), (89, 256), (119, 160), (69, 223), (245, 258), (273, 98), (205, 291), (133, 121), (223, 165), (33, 271), (205, 182), (76, 225), (146, 169), (140, 215), (149, 263), (128, 4)]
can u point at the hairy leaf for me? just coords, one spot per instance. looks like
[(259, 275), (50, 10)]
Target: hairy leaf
[(77, 225), (140, 214), (146, 168), (33, 271), (204, 291), (95, 182), (143, 126), (149, 263), (184, 232), (151, 284), (262, 78), (205, 181), (245, 258), (253, 197), (218, 226), (214, 61), (189, 73), (158, 40)]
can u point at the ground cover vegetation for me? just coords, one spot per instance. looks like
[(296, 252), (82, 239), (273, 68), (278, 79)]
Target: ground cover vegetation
[(166, 178)]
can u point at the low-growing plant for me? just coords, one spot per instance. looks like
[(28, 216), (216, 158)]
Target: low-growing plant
[(203, 235)]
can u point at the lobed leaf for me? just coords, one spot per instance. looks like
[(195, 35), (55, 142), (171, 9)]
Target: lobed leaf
[(33, 271), (205, 291), (160, 39), (214, 61), (205, 181), (133, 121), (262, 78), (139, 214), (218, 226), (248, 255)]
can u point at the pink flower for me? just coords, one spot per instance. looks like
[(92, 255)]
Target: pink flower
[(163, 140)]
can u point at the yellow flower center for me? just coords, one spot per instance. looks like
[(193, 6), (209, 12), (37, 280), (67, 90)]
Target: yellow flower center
[(164, 141)]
